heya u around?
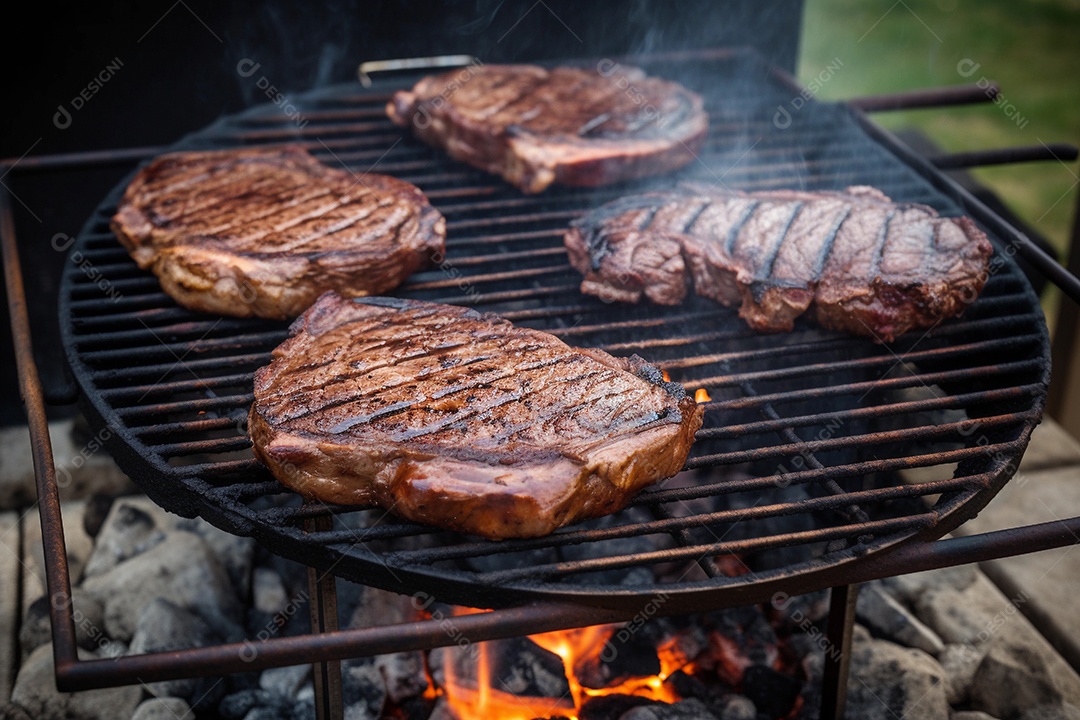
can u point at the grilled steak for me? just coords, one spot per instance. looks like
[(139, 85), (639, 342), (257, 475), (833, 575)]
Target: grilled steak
[(461, 420), (267, 231), (859, 262), (571, 126)]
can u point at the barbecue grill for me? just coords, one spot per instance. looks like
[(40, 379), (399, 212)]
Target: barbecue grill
[(796, 471)]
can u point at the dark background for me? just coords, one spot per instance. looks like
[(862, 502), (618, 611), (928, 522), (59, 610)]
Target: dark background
[(178, 72)]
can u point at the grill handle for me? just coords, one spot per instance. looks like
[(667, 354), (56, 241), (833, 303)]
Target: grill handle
[(928, 97), (1062, 152)]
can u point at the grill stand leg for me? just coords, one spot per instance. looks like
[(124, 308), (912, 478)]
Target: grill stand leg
[(838, 653), (322, 591)]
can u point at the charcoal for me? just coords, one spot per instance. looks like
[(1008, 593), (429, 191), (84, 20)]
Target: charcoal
[(687, 686), (772, 692), (740, 637), (625, 655), (238, 705), (683, 710), (362, 688), (522, 667), (606, 707)]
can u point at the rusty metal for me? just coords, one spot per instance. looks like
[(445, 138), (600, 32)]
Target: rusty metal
[(841, 623), (57, 577), (322, 602)]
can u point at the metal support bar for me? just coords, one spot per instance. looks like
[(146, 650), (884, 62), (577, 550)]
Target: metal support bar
[(1062, 152), (322, 594), (838, 652), (927, 98), (57, 577)]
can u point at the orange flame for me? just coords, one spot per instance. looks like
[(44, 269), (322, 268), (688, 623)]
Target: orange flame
[(483, 699), (702, 395), (664, 374)]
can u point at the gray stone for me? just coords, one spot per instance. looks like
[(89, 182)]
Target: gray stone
[(285, 680), (1046, 581), (78, 544), (268, 592), (9, 601), (240, 705), (82, 467), (88, 613), (234, 552), (167, 708), (35, 692), (889, 681), (887, 618), (909, 588), (163, 626), (128, 531), (959, 663), (1014, 678), (981, 617), (182, 569), (1051, 712)]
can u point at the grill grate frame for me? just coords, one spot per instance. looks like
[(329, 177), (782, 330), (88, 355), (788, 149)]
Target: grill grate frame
[(842, 415)]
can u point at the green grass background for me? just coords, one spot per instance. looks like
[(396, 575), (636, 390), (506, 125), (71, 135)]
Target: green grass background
[(1031, 48)]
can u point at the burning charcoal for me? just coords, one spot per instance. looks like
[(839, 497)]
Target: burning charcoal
[(683, 710), (443, 711), (362, 689), (606, 707), (741, 637), (417, 708), (403, 674), (522, 667), (772, 692), (687, 686), (625, 655)]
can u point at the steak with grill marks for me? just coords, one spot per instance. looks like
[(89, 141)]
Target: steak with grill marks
[(267, 231), (570, 126), (460, 420), (855, 260)]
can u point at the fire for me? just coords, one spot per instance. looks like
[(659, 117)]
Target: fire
[(702, 395), (485, 700), (664, 374)]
